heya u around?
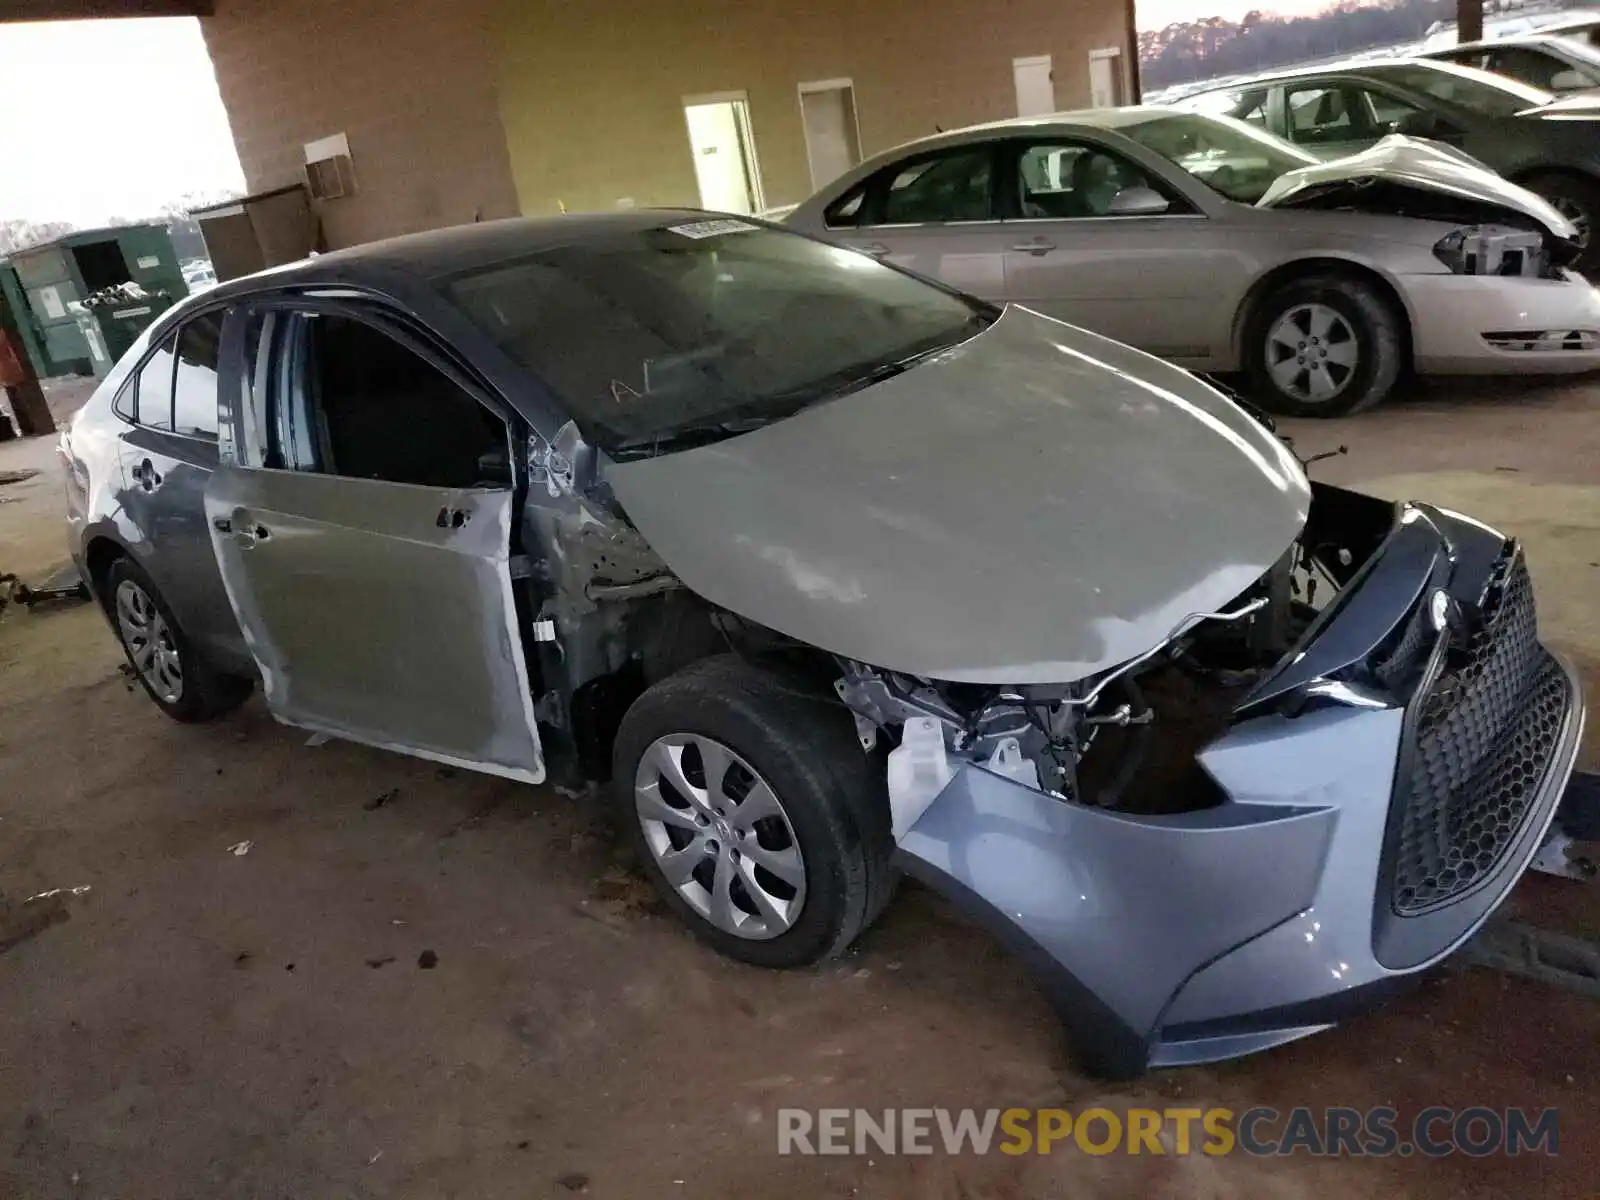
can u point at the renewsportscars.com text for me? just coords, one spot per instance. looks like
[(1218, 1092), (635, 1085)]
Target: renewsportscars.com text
[(1319, 1132)]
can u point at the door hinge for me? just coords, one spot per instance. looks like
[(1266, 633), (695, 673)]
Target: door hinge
[(521, 566)]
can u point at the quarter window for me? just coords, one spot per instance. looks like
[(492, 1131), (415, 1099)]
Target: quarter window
[(194, 402), (948, 187), (153, 397)]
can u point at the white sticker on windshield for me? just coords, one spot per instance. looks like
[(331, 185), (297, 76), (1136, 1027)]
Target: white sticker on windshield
[(705, 229)]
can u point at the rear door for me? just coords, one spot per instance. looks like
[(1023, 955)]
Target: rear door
[(932, 213), (167, 454), (362, 514)]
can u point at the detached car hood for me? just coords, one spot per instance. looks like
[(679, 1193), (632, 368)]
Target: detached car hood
[(1442, 182), (1034, 505)]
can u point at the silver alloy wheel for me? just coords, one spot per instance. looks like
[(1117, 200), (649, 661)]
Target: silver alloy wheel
[(1312, 353), (1574, 212), (149, 641), (720, 836)]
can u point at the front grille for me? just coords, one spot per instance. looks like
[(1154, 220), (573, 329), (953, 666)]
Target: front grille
[(1485, 731)]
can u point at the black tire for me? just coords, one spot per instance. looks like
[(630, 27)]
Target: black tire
[(1578, 199), (802, 742), (1378, 332), (206, 692)]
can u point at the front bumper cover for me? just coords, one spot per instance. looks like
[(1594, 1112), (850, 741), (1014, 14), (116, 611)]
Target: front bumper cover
[(1170, 940)]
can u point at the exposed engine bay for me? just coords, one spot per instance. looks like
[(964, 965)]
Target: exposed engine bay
[(1125, 739)]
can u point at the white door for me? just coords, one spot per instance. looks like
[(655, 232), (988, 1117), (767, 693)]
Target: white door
[(828, 113), (724, 155), (1036, 90), (1105, 78)]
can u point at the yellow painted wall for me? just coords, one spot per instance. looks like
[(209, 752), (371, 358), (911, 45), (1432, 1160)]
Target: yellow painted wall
[(591, 91)]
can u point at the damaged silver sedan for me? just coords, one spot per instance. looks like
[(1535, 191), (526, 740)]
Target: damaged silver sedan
[(835, 574), (1222, 248)]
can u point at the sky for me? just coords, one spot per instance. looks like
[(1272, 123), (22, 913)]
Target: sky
[(109, 118), (1158, 14)]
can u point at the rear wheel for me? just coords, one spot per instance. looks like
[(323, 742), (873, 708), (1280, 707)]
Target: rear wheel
[(751, 806), (173, 673), (1323, 346)]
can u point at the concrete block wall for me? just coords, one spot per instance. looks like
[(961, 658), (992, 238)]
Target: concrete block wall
[(410, 84)]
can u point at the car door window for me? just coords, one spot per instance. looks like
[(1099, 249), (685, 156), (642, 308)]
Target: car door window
[(1527, 66), (1244, 104), (955, 186), (152, 400), (1385, 111), (194, 397), (376, 409), (1327, 115), (1064, 180)]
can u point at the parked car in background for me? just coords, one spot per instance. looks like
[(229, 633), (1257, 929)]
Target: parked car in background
[(1583, 26), (1550, 147), (832, 572), (1554, 64), (1211, 243)]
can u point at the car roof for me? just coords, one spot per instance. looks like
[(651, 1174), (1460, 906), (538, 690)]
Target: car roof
[(458, 248), (1542, 37), (1376, 66), (1077, 118)]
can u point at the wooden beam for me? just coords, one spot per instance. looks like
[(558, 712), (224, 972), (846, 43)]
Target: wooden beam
[(77, 10), (1469, 20)]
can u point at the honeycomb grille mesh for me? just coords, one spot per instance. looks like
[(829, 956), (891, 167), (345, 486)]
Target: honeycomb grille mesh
[(1485, 734)]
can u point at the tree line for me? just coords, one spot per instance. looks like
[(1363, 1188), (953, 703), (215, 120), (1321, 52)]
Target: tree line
[(1212, 46)]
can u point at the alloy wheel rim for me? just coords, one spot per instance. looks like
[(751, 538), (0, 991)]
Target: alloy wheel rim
[(1312, 353), (149, 640), (720, 836)]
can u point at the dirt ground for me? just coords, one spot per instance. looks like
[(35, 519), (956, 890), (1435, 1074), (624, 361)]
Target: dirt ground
[(207, 1023)]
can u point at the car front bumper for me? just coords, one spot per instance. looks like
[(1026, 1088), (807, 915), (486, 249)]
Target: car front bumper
[(1503, 325), (1357, 842)]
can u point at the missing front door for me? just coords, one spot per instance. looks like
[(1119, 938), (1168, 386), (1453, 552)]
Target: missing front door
[(724, 153), (833, 137)]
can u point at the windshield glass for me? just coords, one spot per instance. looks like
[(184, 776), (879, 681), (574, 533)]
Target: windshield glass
[(1231, 156), (660, 338), (1476, 91)]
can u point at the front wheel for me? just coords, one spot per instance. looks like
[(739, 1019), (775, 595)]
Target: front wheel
[(1323, 346), (753, 809)]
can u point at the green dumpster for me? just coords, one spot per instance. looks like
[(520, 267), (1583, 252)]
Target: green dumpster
[(125, 277)]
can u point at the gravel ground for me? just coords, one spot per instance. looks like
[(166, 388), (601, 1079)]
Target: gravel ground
[(425, 983)]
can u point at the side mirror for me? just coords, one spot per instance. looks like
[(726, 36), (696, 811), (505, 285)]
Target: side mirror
[(1567, 81), (1137, 202)]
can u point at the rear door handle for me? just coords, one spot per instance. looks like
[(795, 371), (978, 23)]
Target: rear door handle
[(1036, 247), (452, 518), (875, 249)]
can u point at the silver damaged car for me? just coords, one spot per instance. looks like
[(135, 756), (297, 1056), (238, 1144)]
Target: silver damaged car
[(836, 574)]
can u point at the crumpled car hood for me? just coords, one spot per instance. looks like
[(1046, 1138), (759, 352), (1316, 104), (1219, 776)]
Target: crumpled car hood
[(1369, 180), (1034, 505)]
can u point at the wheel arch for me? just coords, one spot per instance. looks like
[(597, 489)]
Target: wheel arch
[(1287, 272), (99, 552)]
